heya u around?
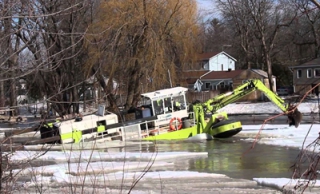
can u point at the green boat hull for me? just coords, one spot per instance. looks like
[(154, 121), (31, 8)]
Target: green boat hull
[(223, 130), (176, 135)]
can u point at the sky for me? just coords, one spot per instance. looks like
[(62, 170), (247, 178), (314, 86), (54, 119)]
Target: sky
[(206, 9), (283, 135), (204, 4)]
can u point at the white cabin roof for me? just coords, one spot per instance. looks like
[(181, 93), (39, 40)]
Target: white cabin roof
[(176, 91)]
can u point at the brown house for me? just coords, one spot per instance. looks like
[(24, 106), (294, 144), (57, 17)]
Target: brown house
[(306, 76), (227, 80)]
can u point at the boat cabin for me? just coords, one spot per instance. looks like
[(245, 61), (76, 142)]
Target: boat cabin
[(165, 104)]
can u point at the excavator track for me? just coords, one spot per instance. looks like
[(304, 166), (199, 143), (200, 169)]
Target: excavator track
[(225, 128)]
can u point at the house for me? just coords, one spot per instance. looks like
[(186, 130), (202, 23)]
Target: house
[(188, 78), (306, 76), (93, 90), (209, 61), (216, 61), (227, 80)]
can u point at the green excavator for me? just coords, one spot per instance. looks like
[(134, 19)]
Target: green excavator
[(218, 125), (220, 101)]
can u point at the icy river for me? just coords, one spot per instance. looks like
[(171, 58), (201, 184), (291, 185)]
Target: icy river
[(232, 157)]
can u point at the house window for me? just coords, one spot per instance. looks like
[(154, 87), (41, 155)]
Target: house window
[(317, 73), (231, 86), (207, 85), (221, 67), (309, 73), (299, 73), (222, 85)]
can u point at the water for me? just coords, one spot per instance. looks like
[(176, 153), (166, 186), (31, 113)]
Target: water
[(233, 158)]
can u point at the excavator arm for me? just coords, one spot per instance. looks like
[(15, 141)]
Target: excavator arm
[(250, 86)]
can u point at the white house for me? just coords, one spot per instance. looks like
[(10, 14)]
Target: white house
[(217, 61)]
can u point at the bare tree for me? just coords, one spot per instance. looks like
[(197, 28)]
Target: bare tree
[(257, 23), (306, 30), (54, 35), (237, 17), (10, 51), (216, 35)]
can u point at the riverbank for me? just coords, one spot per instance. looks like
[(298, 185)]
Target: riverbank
[(162, 182)]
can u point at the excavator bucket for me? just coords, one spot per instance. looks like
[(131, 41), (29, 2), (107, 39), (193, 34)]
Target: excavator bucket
[(295, 118)]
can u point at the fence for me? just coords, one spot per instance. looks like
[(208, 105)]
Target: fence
[(201, 96)]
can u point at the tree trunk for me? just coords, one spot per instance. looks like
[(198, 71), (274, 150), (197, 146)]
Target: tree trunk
[(270, 78), (12, 63), (107, 90), (267, 60), (2, 96), (133, 87), (75, 100), (13, 97)]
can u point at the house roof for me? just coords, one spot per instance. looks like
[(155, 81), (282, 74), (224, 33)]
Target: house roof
[(191, 76), (208, 55), (191, 80), (261, 72), (232, 74), (222, 74), (312, 63), (194, 73)]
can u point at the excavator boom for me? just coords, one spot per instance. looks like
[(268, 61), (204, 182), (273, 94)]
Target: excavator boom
[(222, 100)]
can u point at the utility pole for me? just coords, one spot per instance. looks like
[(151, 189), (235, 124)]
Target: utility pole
[(170, 78), (316, 3), (316, 90)]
